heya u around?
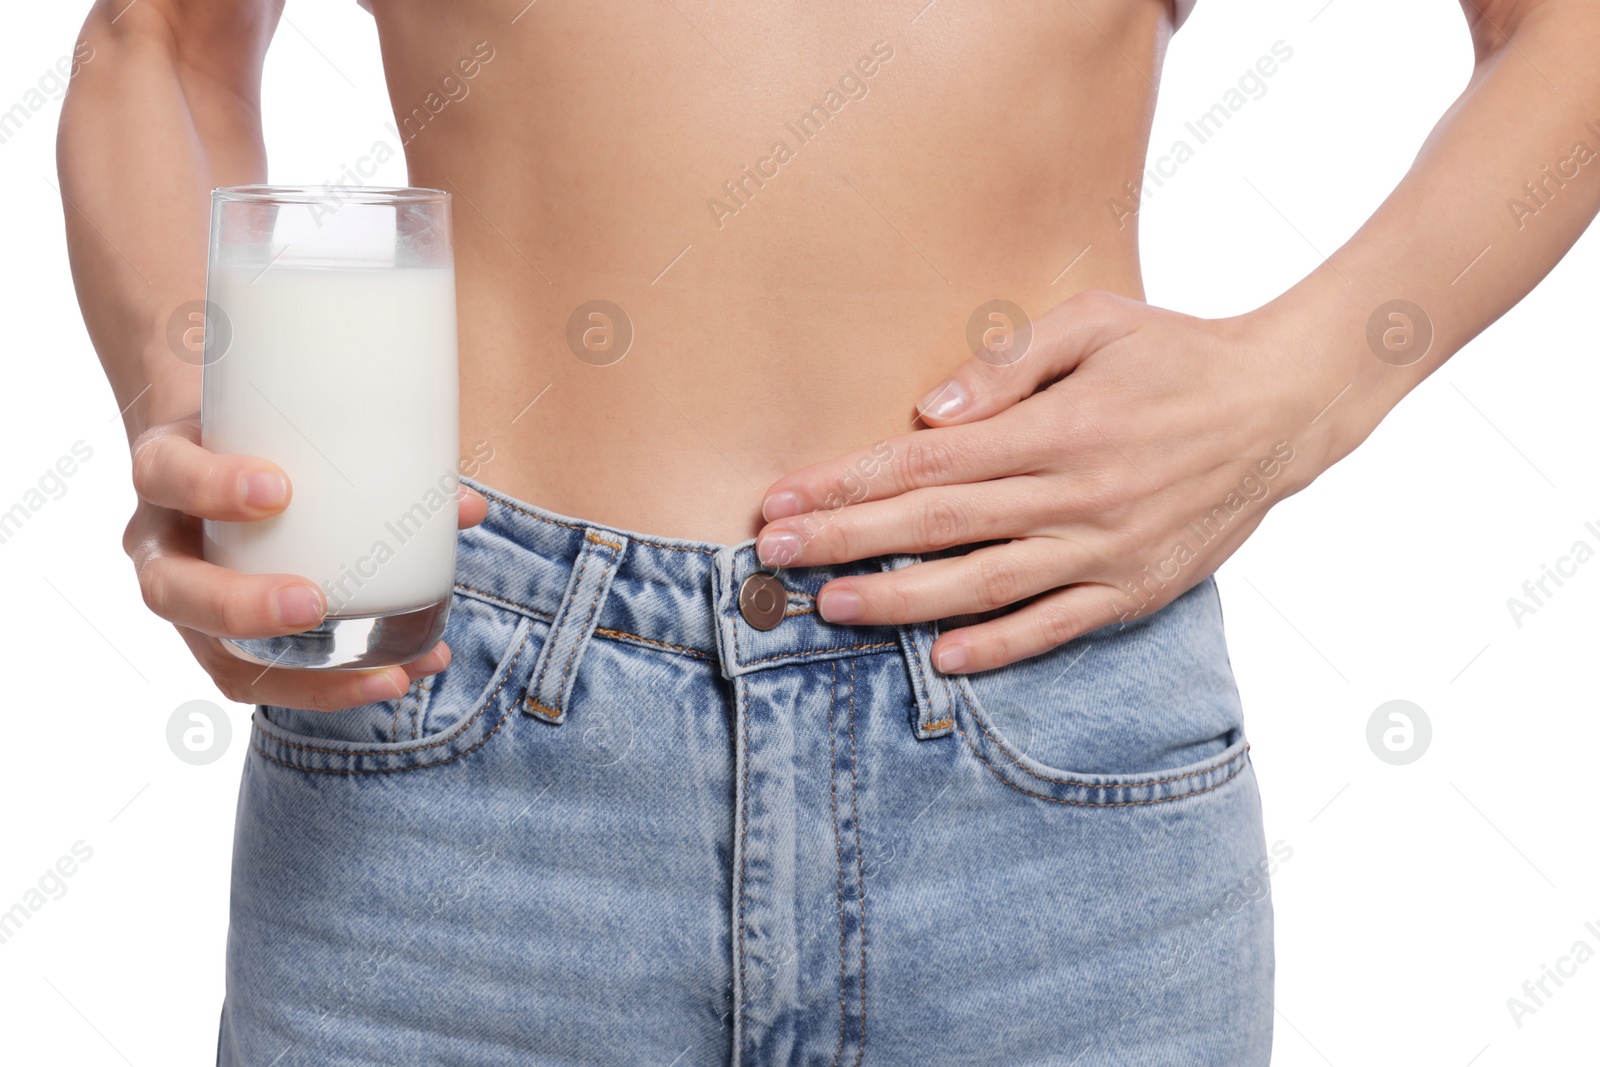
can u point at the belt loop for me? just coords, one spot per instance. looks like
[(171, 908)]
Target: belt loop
[(550, 684), (935, 693)]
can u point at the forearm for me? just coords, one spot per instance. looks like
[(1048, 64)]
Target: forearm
[(147, 130), (1452, 238)]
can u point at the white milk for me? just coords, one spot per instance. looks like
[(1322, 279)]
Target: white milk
[(345, 378)]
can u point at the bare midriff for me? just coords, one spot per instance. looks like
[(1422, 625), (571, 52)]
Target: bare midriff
[(787, 304)]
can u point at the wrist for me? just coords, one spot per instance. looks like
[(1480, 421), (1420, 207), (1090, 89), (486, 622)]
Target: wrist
[(1355, 353), (163, 389)]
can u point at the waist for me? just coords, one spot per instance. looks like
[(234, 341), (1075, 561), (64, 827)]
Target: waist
[(671, 408), (698, 598)]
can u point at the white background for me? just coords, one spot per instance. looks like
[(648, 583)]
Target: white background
[(1418, 898)]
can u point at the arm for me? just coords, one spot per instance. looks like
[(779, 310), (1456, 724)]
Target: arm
[(1533, 99), (1131, 450), (169, 109)]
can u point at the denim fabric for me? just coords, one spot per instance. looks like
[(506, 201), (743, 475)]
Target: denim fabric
[(625, 827)]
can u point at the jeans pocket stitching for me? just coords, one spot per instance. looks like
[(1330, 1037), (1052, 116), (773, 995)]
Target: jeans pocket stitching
[(996, 771), (1232, 762), (360, 751)]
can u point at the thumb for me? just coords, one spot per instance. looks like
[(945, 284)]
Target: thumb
[(1016, 356)]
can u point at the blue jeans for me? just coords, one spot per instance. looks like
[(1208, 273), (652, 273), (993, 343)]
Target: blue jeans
[(627, 827)]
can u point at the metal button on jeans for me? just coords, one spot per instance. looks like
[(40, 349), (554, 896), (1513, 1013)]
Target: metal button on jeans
[(763, 601)]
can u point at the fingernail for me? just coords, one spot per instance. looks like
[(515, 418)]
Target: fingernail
[(433, 662), (949, 399), (299, 605), (381, 687), (950, 660), (265, 489), (778, 549), (784, 505), (841, 605)]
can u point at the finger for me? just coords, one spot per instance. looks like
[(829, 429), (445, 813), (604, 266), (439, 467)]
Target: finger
[(922, 520), (214, 600), (172, 471), (1039, 353), (244, 682), (471, 508), (433, 661), (982, 580), (1031, 630), (997, 448)]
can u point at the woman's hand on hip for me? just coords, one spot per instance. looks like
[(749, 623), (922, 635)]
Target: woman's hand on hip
[(1102, 468)]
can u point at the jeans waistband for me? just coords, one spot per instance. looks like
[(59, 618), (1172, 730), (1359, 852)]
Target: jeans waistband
[(680, 594)]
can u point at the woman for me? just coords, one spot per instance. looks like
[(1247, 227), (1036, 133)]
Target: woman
[(834, 672)]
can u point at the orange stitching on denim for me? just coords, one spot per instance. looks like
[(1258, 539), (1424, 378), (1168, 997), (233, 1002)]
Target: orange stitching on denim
[(382, 770), (552, 713), (792, 612), (675, 548), (742, 696), (944, 679), (600, 589), (562, 620), (510, 669), (838, 846), (424, 696), (623, 635), (394, 723), (1110, 803), (434, 744), (861, 874), (545, 615), (815, 652), (1015, 756), (418, 690), (916, 661), (503, 502), (597, 539)]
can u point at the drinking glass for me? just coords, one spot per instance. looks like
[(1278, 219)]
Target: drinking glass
[(330, 349)]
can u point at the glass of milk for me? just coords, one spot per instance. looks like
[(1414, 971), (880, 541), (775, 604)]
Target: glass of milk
[(331, 351)]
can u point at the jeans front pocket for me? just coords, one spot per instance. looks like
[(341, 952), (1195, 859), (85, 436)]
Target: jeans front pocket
[(1131, 713), (438, 720)]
